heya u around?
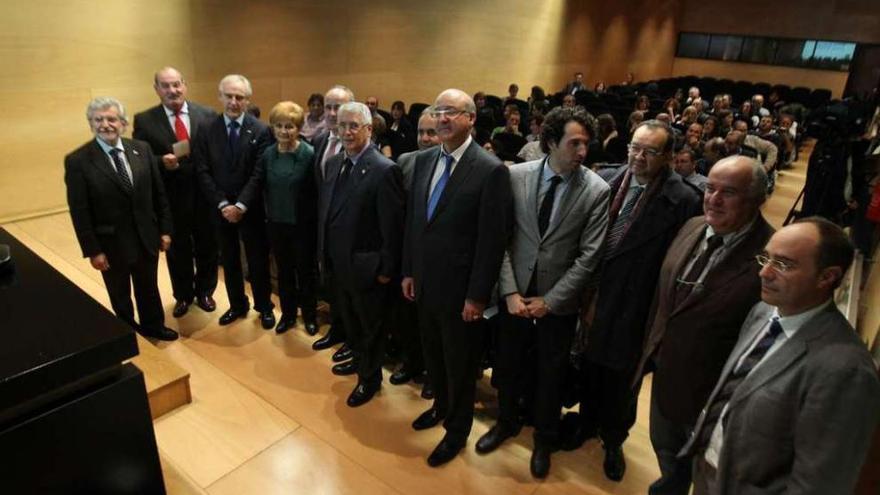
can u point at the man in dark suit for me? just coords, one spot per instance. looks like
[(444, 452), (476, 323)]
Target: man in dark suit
[(363, 236), (328, 144), (458, 220), (226, 157), (120, 215), (708, 283), (170, 128), (650, 204), (577, 84), (798, 399), (560, 217)]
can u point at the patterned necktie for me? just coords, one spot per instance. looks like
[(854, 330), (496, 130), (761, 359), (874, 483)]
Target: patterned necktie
[(120, 169), (734, 379), (180, 128), (622, 223), (547, 205), (233, 136), (685, 286), (434, 199)]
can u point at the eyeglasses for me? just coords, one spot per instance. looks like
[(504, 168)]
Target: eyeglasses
[(635, 149), (449, 113), (341, 127), (775, 265)]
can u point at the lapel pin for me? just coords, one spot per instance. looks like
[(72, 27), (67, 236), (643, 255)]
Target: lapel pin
[(135, 152)]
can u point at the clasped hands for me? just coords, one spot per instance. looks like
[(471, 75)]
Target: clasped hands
[(232, 213), (526, 307)]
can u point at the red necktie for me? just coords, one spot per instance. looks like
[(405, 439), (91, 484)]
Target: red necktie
[(180, 128)]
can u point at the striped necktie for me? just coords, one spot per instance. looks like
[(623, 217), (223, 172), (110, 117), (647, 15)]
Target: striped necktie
[(120, 169), (621, 224)]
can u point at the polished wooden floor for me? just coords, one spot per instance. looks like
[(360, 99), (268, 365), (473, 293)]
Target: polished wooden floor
[(268, 417)]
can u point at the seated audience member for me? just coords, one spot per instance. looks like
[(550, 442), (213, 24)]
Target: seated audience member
[(671, 106), (630, 79), (568, 101), (599, 88), (613, 145), (485, 114), (767, 151), (577, 84), (542, 295), (693, 139), (767, 131), (700, 106), (688, 116), (788, 133), (643, 104), (798, 400), (512, 126), (290, 195), (686, 166), (708, 283), (537, 101), (635, 119), (512, 91), (401, 134), (535, 123), (745, 113), (726, 101), (725, 121), (710, 128), (253, 110), (380, 136), (734, 144), (717, 106), (713, 150), (693, 95), (314, 121)]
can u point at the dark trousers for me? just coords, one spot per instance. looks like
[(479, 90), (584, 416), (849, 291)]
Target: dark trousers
[(140, 274), (548, 341), (252, 232), (193, 239), (668, 437), (452, 349), (328, 289), (608, 402), (405, 332), (363, 311), (295, 258)]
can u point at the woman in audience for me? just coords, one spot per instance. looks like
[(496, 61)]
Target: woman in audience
[(671, 106), (314, 122), (688, 116), (401, 133), (599, 88), (380, 135), (290, 197), (537, 101), (710, 128), (643, 104)]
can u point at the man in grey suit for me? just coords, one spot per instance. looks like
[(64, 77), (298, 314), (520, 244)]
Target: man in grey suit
[(560, 215), (799, 398)]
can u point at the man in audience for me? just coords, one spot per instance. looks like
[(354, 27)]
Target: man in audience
[(693, 95), (693, 139), (560, 217), (708, 283), (734, 144), (512, 126), (758, 106), (227, 161), (568, 101), (686, 166), (713, 150), (362, 245), (170, 128), (767, 151), (650, 203), (798, 400), (457, 225), (373, 104), (120, 215), (577, 84)]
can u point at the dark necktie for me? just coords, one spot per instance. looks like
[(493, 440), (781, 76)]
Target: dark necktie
[(441, 185), (685, 286), (180, 128), (547, 205), (340, 188), (736, 376), (621, 224), (233, 136), (120, 169)]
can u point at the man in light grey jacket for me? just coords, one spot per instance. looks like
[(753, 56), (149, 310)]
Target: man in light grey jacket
[(561, 214)]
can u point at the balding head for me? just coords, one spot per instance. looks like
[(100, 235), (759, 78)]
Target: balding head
[(170, 87), (333, 99), (455, 112)]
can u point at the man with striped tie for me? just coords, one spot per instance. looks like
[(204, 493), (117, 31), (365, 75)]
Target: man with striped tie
[(799, 398), (649, 204)]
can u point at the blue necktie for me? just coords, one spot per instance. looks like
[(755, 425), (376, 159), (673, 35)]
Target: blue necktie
[(233, 136), (441, 185)]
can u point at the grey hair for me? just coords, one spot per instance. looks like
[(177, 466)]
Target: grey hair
[(757, 191), (357, 108), (427, 111), (469, 105), (248, 89), (103, 103), (346, 89)]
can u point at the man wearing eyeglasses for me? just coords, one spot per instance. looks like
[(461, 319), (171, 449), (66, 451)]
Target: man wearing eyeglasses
[(227, 160), (458, 219), (708, 283), (364, 231), (798, 399), (649, 205)]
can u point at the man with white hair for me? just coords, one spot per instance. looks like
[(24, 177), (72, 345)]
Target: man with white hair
[(120, 215)]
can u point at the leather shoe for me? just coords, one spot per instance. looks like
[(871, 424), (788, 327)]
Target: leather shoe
[(267, 319), (401, 376), (231, 315), (362, 393), (427, 419), (311, 327), (285, 324), (540, 463), (494, 438), (427, 391), (180, 309), (343, 354), (206, 303), (326, 341), (614, 464), (445, 451), (346, 368), (164, 333)]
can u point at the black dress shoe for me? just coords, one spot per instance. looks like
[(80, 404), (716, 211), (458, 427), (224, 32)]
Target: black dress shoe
[(540, 463), (445, 451), (346, 368), (427, 419), (267, 319), (343, 354), (401, 376), (232, 315), (311, 327), (326, 341), (180, 309), (285, 324), (427, 391), (362, 393), (164, 333), (614, 464), (206, 303), (494, 438)]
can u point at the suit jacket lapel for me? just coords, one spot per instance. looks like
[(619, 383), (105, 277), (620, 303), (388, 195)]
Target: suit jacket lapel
[(462, 169), (688, 244), (138, 173), (530, 185), (574, 191), (422, 182), (161, 118), (355, 177), (102, 162)]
